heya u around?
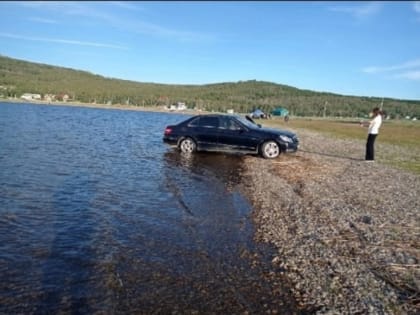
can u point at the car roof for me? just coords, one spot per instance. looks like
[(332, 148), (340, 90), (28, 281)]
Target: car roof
[(216, 114)]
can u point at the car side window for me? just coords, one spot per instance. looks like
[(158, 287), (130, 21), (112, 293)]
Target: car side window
[(233, 125), (195, 122), (228, 123), (209, 122)]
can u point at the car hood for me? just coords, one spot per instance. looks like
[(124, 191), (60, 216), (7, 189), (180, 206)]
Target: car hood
[(278, 132)]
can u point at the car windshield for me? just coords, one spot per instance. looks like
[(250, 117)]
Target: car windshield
[(247, 122)]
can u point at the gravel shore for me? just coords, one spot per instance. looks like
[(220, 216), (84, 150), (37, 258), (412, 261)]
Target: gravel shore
[(346, 231)]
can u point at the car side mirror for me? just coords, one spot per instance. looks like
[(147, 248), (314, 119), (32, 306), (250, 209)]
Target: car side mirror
[(259, 125)]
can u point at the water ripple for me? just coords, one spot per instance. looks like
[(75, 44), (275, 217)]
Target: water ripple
[(99, 216)]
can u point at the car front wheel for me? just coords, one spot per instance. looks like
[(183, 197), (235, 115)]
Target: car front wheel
[(187, 145), (270, 150)]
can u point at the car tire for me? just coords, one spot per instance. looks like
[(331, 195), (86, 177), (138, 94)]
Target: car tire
[(270, 150), (187, 145)]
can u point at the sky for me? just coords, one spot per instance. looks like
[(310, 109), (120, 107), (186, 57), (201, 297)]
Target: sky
[(352, 48)]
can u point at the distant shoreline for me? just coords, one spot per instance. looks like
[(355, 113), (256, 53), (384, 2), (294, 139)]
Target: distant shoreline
[(158, 109)]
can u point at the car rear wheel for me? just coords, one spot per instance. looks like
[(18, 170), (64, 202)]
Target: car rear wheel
[(270, 150), (187, 145)]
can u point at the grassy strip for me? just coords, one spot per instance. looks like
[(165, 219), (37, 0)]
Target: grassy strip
[(403, 137), (404, 133)]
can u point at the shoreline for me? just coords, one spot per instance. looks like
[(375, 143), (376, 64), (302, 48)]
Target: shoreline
[(345, 231), (156, 109)]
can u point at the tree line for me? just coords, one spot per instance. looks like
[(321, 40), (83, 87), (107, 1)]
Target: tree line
[(18, 77)]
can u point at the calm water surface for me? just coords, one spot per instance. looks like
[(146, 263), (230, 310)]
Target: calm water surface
[(98, 215)]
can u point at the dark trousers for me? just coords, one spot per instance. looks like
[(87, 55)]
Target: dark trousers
[(370, 148)]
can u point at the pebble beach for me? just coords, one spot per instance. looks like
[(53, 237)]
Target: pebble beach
[(346, 231)]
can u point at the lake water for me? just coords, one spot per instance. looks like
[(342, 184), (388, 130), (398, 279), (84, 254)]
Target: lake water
[(98, 215)]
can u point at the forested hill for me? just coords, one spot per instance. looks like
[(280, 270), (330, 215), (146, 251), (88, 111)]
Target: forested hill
[(18, 77)]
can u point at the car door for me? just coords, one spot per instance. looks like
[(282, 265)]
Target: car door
[(235, 137), (207, 132)]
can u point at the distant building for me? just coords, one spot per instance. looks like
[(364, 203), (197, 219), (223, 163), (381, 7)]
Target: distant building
[(178, 106), (30, 96), (181, 106), (49, 97), (63, 97)]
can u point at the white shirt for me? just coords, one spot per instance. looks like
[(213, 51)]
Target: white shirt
[(374, 125)]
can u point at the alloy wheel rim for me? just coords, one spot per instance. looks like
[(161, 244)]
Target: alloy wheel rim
[(272, 149), (187, 146)]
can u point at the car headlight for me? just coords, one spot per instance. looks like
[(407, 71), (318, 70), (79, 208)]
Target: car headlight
[(286, 139)]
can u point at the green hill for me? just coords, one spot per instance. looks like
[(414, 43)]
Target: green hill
[(18, 77)]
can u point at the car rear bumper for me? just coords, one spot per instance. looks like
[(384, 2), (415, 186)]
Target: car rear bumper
[(171, 141)]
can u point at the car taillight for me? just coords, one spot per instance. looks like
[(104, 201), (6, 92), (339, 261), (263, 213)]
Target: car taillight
[(168, 130)]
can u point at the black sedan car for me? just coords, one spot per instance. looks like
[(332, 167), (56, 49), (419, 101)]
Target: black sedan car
[(229, 133)]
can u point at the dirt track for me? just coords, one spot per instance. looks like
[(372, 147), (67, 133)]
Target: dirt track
[(347, 231)]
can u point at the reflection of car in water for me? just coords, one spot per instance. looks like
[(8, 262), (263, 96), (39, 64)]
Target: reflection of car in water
[(229, 133), (205, 167)]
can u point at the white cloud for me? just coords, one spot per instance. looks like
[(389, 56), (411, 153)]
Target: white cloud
[(416, 6), (62, 41), (104, 12), (39, 4), (42, 20), (147, 28), (142, 27), (406, 65), (411, 75), (359, 11), (408, 70), (126, 5)]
